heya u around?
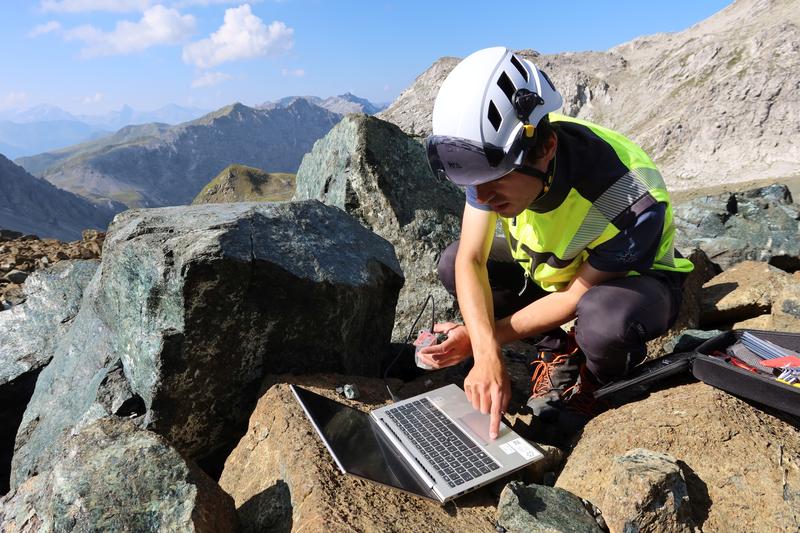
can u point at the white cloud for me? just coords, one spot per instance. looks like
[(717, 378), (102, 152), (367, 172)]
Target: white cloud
[(96, 98), (159, 25), (210, 78), (242, 36), (47, 27), (297, 73), (386, 88), (189, 3), (77, 6), (13, 99)]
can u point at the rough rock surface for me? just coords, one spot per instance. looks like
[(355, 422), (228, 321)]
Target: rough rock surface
[(375, 172), (27, 253), (655, 88), (785, 315), (741, 465), (759, 224), (540, 509), (111, 476), (749, 291), (198, 303), (647, 493), (283, 479), (28, 333)]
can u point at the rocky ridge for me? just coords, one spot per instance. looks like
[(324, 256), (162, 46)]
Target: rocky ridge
[(703, 102), (341, 105), (34, 206), (240, 183)]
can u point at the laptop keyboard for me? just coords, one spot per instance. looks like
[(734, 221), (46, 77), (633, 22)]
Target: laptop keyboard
[(454, 456)]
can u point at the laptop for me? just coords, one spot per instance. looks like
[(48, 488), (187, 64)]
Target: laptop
[(434, 445)]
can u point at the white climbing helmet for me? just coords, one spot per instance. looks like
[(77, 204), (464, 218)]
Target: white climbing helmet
[(485, 115)]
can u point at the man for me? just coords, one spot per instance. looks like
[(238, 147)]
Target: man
[(588, 235)]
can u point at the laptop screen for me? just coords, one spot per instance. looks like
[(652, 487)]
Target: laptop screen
[(358, 444)]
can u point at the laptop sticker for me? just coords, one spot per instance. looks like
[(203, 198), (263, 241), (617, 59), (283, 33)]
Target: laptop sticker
[(523, 448), (520, 446)]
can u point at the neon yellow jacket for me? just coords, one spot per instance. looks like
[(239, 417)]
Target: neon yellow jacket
[(602, 181)]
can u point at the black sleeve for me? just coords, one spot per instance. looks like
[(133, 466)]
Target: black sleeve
[(635, 247)]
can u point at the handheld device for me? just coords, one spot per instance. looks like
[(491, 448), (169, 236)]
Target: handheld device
[(425, 338)]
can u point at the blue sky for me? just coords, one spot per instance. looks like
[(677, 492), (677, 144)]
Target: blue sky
[(92, 56)]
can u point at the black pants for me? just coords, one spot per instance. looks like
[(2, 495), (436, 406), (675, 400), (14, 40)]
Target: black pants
[(614, 319)]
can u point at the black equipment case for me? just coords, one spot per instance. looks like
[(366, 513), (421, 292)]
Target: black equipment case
[(710, 363), (761, 387)]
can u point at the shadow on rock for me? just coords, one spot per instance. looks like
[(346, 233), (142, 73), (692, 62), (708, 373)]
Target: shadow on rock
[(269, 510), (699, 498)]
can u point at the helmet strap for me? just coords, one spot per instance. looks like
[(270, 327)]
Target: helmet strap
[(545, 177), (535, 172)]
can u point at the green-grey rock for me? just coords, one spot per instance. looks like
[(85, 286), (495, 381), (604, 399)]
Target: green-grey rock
[(29, 331), (28, 336), (381, 176), (198, 303), (111, 476), (540, 509), (760, 225), (647, 494)]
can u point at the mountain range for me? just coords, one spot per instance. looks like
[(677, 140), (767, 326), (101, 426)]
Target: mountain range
[(156, 164), (713, 104), (342, 104), (46, 127)]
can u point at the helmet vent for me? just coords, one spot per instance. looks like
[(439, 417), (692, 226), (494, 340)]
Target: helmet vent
[(494, 116), (506, 85), (520, 68)]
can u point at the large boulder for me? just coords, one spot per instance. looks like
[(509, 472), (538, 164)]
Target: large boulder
[(282, 477), (28, 334), (193, 305), (380, 175), (752, 294), (760, 224), (111, 476), (741, 465)]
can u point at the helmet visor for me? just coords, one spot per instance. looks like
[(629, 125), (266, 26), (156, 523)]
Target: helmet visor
[(466, 162)]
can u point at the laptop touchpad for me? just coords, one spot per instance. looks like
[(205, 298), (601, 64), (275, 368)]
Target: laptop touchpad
[(478, 424)]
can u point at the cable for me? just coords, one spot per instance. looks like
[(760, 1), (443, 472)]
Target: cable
[(408, 339)]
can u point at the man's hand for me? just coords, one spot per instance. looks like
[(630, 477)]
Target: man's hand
[(455, 349), (488, 387)]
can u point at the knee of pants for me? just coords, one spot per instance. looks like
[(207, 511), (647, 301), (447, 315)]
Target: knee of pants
[(610, 336), (447, 267)]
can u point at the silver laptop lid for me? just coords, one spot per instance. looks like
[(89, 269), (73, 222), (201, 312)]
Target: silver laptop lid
[(509, 452), (358, 445)]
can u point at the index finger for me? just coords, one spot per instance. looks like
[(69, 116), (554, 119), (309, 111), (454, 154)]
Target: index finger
[(496, 415)]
